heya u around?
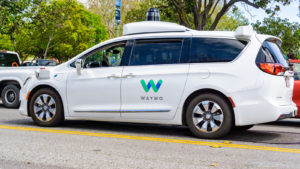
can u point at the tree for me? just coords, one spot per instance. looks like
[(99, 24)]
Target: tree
[(14, 16), (106, 10), (63, 28), (56, 29), (5, 42), (229, 21), (197, 13), (287, 31)]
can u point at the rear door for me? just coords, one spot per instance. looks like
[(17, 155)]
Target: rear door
[(152, 84)]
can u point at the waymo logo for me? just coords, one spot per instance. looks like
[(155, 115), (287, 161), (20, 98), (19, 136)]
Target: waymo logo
[(151, 84)]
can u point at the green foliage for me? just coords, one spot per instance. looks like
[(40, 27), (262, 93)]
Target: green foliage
[(53, 29), (232, 20), (229, 22), (207, 14), (287, 31), (5, 42), (167, 12)]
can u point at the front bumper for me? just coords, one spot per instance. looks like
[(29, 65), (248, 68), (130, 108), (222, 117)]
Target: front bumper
[(23, 102)]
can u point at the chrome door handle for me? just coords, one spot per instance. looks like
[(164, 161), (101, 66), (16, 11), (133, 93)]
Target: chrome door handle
[(130, 75), (113, 76)]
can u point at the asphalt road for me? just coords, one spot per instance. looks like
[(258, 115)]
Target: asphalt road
[(87, 144)]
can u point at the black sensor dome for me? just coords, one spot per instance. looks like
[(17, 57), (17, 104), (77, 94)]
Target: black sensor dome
[(153, 14)]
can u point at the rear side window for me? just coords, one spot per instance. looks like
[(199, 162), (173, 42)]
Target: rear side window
[(264, 56), (215, 49), (147, 52), (7, 59)]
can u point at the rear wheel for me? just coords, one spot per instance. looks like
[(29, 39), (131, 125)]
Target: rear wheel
[(10, 96), (45, 108), (209, 116)]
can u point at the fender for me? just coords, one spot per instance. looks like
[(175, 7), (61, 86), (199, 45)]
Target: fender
[(202, 87), (60, 91)]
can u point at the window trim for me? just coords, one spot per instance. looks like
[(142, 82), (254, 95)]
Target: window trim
[(158, 40)]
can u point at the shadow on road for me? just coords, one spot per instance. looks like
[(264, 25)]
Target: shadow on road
[(286, 123), (178, 132)]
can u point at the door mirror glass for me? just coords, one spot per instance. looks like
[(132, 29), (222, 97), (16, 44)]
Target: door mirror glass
[(79, 65)]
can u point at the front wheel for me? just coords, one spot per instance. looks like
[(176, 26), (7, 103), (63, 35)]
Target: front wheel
[(209, 116), (45, 108)]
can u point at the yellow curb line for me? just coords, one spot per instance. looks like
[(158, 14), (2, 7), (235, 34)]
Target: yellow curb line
[(203, 143)]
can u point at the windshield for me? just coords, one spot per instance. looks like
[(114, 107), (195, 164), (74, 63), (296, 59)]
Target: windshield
[(7, 59), (276, 52)]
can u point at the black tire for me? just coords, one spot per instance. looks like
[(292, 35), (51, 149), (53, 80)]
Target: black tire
[(10, 96), (224, 127), (242, 128), (57, 118)]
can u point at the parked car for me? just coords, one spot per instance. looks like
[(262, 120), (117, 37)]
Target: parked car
[(40, 62), (13, 75), (165, 73), (296, 93), (45, 62)]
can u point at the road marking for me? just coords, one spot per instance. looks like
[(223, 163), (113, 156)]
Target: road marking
[(156, 139)]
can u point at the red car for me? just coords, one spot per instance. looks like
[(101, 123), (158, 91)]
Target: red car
[(296, 93)]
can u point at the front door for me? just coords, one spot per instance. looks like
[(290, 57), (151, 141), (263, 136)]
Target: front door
[(96, 92)]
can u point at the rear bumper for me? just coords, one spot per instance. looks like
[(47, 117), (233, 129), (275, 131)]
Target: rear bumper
[(263, 112), (289, 115)]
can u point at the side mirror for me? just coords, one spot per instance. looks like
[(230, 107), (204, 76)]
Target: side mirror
[(79, 66)]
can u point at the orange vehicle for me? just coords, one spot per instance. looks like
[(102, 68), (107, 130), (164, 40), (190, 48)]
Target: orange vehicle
[(296, 92)]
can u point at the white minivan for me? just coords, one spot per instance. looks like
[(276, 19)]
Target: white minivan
[(164, 73)]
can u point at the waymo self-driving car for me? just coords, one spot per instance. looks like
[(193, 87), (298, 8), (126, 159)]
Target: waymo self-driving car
[(164, 73)]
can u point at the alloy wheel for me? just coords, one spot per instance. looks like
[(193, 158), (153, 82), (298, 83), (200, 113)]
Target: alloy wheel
[(44, 107), (207, 116)]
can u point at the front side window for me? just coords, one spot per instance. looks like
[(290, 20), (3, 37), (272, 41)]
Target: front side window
[(147, 52), (215, 49), (107, 56), (297, 71)]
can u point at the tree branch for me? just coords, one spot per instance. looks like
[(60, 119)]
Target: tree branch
[(181, 13), (214, 8), (249, 3), (224, 9)]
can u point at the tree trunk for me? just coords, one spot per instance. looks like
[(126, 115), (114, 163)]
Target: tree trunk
[(48, 44)]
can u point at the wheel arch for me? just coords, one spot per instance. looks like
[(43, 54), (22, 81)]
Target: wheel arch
[(4, 83), (43, 86), (203, 91)]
